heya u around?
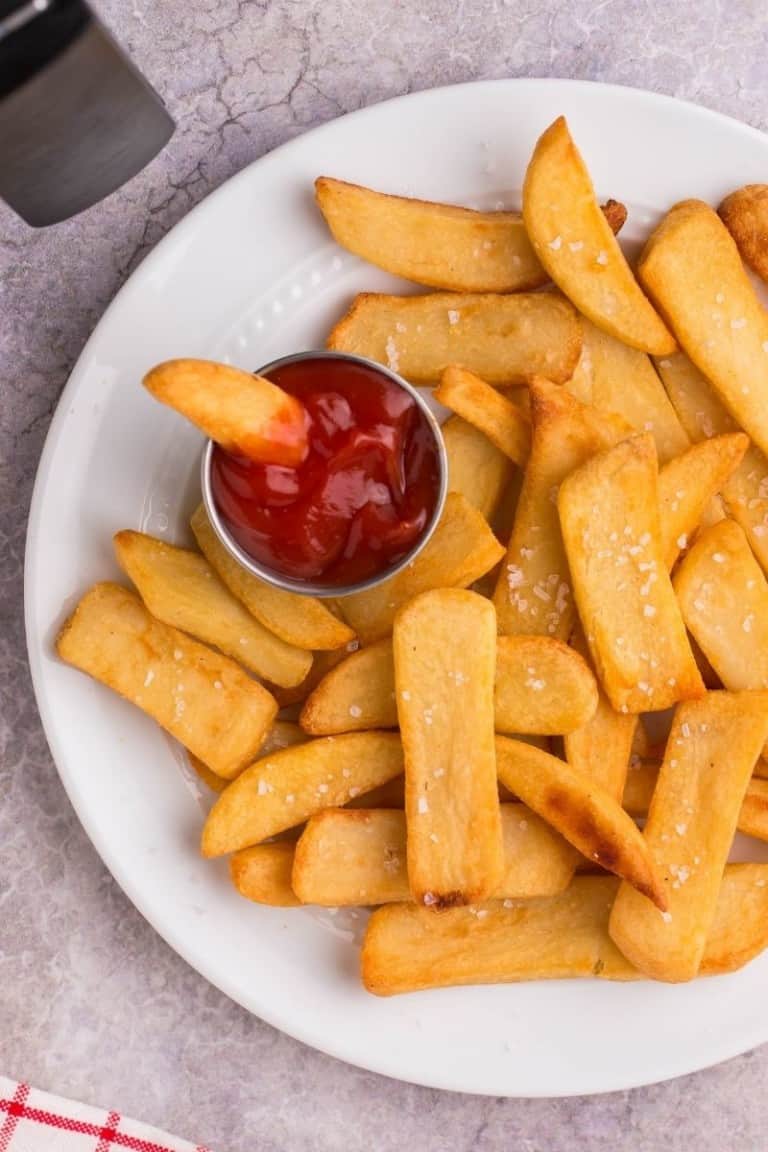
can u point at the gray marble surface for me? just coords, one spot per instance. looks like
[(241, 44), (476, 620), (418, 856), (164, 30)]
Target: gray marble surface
[(92, 1003)]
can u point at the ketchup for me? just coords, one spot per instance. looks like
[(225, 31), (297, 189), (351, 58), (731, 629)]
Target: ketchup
[(362, 497)]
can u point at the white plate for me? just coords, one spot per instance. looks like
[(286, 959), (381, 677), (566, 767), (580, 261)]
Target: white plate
[(249, 275)]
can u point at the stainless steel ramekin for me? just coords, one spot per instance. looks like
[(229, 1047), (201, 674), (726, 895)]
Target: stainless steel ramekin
[(307, 587)]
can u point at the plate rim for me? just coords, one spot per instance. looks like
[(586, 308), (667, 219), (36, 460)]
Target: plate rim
[(665, 1069)]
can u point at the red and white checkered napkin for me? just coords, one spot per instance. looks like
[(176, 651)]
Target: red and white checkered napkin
[(34, 1121)]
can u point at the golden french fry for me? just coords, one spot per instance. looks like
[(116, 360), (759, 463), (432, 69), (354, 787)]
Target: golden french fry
[(753, 817), (542, 687), (692, 269), (359, 857), (407, 950), (202, 698), (211, 779), (303, 621), (574, 242), (357, 694), (244, 413), (745, 215), (642, 776), (389, 795), (180, 588), (616, 378), (745, 493), (440, 245), (585, 814), (504, 339), (533, 593), (287, 787), (601, 748), (688, 484), (322, 662), (263, 874), (461, 550), (723, 596), (505, 424), (444, 645), (609, 516), (712, 748), (282, 734), (476, 467), (739, 930)]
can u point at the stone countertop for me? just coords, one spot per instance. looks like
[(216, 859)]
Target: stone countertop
[(93, 1004)]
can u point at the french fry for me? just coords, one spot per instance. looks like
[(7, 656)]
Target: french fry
[(574, 242), (739, 930), (688, 484), (202, 698), (359, 857), (303, 621), (439, 245), (389, 795), (642, 776), (211, 780), (180, 588), (585, 814), (504, 339), (408, 950), (461, 550), (753, 817), (505, 424), (242, 412), (602, 747), (285, 788), (357, 694), (616, 378), (745, 493), (745, 215), (609, 517), (322, 662), (542, 687), (476, 467), (282, 734), (711, 750), (533, 593), (444, 645), (723, 596), (263, 874), (692, 269)]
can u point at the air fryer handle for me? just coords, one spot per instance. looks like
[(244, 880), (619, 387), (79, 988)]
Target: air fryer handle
[(34, 32)]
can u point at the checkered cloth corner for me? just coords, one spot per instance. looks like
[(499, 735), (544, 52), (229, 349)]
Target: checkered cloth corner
[(34, 1121)]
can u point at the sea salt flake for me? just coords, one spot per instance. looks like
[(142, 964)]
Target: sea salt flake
[(423, 805), (453, 316), (576, 245), (682, 541), (555, 244), (393, 357), (739, 322), (178, 654), (649, 610), (149, 678), (602, 257), (355, 711)]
